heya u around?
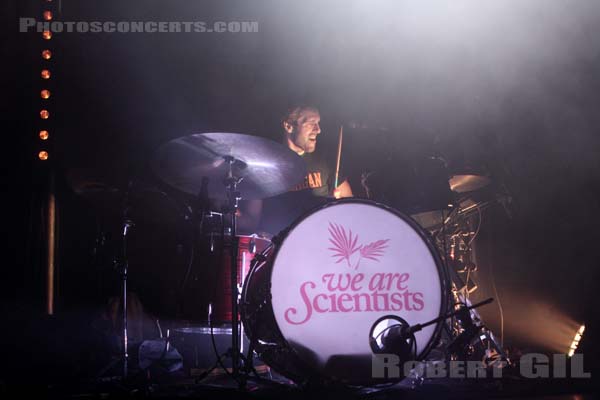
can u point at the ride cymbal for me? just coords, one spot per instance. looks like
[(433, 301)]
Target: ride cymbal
[(468, 183)]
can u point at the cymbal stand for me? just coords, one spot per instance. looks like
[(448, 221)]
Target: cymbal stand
[(127, 225), (469, 325), (122, 265), (233, 197)]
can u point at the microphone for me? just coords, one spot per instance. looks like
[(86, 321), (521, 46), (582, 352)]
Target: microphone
[(400, 338), (396, 339)]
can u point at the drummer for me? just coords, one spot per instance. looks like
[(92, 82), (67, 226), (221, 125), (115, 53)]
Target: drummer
[(301, 129)]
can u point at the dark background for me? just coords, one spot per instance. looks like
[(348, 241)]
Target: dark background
[(510, 88)]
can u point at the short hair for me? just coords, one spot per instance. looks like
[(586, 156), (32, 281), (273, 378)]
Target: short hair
[(292, 115)]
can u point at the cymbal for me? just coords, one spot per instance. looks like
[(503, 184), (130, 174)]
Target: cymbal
[(468, 183), (139, 200), (89, 182), (267, 168)]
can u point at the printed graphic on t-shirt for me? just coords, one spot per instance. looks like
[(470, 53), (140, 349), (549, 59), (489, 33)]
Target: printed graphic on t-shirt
[(311, 181)]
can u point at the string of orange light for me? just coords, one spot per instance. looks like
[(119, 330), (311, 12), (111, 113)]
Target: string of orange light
[(45, 74)]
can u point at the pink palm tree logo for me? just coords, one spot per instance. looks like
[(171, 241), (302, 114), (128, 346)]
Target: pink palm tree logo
[(345, 246)]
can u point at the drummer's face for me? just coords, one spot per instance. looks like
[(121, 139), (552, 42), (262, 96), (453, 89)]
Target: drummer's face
[(304, 133)]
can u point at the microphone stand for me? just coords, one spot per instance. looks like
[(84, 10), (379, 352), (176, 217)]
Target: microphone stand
[(407, 332), (418, 327)]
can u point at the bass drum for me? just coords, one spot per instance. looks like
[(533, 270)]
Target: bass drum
[(312, 297)]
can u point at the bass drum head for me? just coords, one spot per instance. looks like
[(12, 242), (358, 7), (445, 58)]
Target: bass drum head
[(342, 267)]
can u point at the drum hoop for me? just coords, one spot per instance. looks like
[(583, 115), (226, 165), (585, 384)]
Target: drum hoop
[(280, 238)]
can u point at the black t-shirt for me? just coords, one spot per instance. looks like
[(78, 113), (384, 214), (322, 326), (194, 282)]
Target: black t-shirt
[(281, 211), (319, 178)]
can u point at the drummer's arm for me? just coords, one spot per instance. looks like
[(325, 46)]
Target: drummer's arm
[(343, 190)]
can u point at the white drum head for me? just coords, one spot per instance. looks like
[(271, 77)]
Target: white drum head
[(343, 267)]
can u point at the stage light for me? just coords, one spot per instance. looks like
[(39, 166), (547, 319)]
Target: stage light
[(48, 15), (47, 35), (44, 114), (45, 74), (576, 341), (44, 135), (45, 94), (46, 54), (43, 155)]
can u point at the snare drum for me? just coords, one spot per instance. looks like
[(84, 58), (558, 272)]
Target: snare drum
[(312, 296)]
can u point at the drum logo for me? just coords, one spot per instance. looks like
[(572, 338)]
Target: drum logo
[(344, 247), (354, 291)]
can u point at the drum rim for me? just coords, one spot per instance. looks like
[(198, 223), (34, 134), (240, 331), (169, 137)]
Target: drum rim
[(279, 239)]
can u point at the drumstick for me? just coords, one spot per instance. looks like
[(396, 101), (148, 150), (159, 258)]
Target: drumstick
[(339, 158)]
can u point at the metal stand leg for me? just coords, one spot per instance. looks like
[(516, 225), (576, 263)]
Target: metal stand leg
[(123, 265), (124, 297), (233, 196), (127, 224)]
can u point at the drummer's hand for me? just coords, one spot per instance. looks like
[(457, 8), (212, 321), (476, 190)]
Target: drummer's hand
[(343, 190)]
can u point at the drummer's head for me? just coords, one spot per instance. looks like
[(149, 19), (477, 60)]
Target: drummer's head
[(301, 128)]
